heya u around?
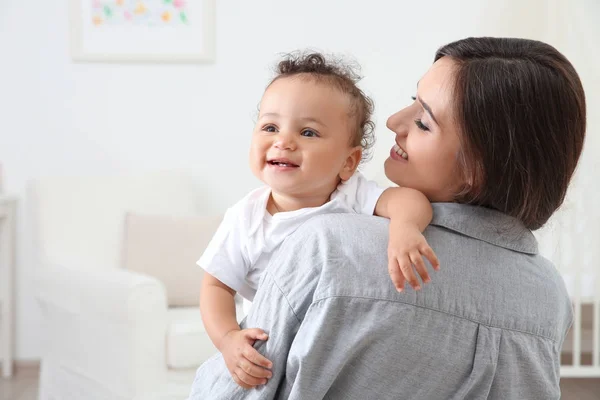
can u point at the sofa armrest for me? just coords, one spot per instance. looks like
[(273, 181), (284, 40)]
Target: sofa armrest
[(105, 326), (116, 294)]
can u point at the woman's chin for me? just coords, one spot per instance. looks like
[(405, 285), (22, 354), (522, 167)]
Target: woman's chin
[(391, 171)]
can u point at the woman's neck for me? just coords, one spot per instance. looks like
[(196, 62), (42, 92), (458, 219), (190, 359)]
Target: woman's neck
[(281, 203)]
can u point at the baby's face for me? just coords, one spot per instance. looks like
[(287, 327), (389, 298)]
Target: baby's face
[(301, 142)]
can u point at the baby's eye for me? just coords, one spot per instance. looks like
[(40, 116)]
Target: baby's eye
[(309, 133), (269, 128)]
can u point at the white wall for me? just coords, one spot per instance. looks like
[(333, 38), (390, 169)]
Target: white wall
[(59, 118), (571, 237)]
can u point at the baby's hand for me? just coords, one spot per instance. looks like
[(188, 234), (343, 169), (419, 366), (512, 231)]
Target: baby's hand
[(247, 366), (405, 248)]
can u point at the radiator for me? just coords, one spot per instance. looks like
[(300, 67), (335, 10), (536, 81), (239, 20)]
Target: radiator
[(581, 349)]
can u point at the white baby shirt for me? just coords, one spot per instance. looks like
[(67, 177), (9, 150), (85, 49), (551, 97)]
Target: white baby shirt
[(241, 248)]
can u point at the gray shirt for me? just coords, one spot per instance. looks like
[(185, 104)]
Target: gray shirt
[(490, 325)]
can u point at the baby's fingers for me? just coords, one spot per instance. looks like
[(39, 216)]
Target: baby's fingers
[(406, 267), (240, 381), (395, 274), (429, 254), (252, 355), (246, 381), (417, 260), (255, 334), (254, 370)]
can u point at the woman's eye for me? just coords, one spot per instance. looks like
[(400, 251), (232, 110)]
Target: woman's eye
[(309, 133), (269, 128), (421, 125)]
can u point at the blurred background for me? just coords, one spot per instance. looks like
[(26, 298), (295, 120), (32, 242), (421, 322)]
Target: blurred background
[(66, 124)]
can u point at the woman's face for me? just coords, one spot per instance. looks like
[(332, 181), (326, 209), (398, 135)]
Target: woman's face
[(425, 156)]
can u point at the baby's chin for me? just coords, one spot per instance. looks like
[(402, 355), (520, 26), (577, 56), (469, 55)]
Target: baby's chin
[(288, 190)]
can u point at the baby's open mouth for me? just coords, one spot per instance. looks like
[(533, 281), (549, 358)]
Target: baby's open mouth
[(282, 162)]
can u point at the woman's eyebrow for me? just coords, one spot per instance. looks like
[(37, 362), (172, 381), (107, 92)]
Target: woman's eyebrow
[(426, 107)]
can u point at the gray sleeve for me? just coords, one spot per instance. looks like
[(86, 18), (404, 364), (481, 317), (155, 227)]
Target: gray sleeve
[(284, 295), (272, 313)]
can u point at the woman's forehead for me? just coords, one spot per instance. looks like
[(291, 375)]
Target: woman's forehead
[(436, 87)]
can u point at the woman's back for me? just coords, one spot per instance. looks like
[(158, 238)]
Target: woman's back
[(490, 324)]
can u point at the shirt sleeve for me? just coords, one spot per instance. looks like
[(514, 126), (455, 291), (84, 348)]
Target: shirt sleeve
[(283, 298), (224, 256), (359, 193), (272, 313)]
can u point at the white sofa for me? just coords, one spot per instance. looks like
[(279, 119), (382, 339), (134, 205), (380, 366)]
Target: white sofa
[(108, 332)]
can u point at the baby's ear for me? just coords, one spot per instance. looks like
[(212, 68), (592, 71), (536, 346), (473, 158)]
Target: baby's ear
[(351, 163)]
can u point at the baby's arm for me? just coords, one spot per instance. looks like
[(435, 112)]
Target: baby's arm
[(217, 306), (409, 212), (405, 205)]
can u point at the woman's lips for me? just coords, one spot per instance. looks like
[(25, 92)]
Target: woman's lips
[(399, 152)]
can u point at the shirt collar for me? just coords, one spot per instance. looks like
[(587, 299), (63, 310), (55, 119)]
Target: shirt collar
[(485, 224)]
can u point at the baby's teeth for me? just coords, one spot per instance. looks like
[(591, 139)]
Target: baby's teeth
[(404, 155)]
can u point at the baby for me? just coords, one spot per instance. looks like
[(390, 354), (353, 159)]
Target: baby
[(314, 127)]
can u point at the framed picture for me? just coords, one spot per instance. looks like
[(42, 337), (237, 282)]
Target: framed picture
[(142, 30)]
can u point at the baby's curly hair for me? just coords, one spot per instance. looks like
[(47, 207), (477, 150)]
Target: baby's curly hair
[(344, 77)]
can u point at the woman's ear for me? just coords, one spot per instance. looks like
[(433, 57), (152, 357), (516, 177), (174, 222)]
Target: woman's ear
[(351, 163)]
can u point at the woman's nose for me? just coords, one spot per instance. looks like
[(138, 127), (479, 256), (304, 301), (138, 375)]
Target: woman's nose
[(397, 123)]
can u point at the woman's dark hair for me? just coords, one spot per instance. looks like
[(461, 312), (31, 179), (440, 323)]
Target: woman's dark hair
[(342, 76), (520, 108)]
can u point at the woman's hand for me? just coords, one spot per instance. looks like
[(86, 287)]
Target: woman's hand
[(247, 366), (406, 247)]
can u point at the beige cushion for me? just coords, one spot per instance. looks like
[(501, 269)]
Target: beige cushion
[(167, 248)]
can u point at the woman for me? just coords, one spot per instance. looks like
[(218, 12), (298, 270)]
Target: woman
[(492, 139)]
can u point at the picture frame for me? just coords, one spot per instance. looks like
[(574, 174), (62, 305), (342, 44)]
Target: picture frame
[(172, 31)]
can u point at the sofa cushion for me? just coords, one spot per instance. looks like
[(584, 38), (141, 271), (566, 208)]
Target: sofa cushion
[(188, 345), (167, 248)]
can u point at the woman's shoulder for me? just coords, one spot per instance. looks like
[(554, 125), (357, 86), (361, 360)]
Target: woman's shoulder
[(517, 288), (485, 224)]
